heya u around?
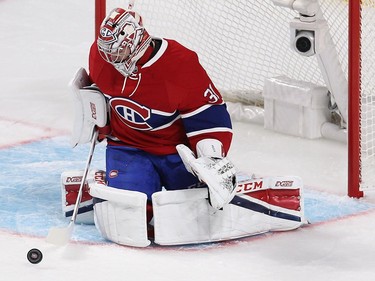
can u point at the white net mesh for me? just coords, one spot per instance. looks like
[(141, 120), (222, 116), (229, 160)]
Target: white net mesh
[(368, 95), (240, 43), (243, 42)]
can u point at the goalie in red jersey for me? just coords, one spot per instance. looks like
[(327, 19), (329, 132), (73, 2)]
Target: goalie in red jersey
[(168, 129), (159, 96)]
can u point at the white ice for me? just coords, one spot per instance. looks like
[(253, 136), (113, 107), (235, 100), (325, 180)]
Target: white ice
[(42, 44)]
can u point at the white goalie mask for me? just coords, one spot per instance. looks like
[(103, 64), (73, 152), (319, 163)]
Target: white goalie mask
[(123, 40)]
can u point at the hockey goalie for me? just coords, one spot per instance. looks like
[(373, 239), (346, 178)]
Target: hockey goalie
[(168, 178)]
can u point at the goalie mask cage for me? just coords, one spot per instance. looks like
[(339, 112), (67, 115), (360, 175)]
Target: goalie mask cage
[(241, 43)]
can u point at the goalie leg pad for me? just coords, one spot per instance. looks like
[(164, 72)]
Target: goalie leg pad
[(185, 217), (280, 198), (120, 215)]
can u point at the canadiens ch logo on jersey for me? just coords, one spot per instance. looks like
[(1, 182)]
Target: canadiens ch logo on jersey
[(140, 117)]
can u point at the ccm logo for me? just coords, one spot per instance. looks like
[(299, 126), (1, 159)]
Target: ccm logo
[(73, 179), (284, 183), (99, 177), (251, 186)]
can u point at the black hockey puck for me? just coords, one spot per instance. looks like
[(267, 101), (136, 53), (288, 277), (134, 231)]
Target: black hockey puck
[(35, 256)]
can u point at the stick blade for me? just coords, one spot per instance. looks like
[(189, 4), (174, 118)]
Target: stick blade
[(59, 236)]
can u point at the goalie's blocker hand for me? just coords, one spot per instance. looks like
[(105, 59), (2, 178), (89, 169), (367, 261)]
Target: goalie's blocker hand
[(210, 167)]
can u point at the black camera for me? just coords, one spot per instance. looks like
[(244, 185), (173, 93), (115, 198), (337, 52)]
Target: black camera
[(304, 43)]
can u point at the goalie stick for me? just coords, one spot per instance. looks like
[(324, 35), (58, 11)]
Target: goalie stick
[(61, 235)]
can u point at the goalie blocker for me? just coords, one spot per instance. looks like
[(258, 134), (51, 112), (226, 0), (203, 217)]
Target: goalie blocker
[(90, 108), (185, 216)]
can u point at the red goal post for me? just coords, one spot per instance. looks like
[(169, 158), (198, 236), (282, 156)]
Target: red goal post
[(100, 13), (260, 49), (354, 80), (361, 129)]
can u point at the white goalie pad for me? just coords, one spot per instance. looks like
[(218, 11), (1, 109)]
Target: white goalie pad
[(218, 173), (261, 205), (120, 215), (90, 108)]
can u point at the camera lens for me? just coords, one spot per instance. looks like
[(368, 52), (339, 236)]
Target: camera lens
[(303, 44)]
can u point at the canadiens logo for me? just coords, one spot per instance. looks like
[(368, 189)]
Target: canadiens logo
[(140, 117), (107, 36), (131, 113), (105, 32), (113, 173)]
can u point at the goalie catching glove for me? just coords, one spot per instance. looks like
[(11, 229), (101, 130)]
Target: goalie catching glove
[(212, 168)]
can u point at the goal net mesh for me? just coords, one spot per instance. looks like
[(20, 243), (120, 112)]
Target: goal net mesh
[(241, 43)]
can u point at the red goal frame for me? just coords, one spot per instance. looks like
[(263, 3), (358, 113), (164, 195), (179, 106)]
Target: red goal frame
[(354, 87)]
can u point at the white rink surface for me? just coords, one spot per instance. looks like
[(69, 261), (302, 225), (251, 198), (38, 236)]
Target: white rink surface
[(43, 43)]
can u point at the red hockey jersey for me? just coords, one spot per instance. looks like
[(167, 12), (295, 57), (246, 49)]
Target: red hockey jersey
[(168, 101)]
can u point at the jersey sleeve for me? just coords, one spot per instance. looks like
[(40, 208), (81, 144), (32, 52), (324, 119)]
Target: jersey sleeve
[(210, 121), (202, 109)]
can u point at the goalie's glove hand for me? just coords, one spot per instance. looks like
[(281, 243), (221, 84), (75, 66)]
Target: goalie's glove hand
[(220, 177), (216, 171)]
